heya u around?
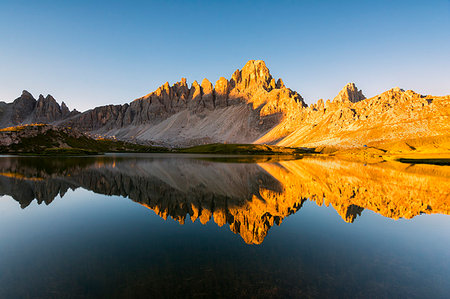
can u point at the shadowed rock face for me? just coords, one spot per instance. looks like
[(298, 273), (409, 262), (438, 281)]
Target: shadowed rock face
[(26, 110), (249, 197)]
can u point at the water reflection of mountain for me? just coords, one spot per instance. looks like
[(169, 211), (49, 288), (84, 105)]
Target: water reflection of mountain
[(250, 197)]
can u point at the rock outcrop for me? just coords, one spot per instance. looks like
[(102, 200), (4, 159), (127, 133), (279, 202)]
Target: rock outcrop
[(349, 94), (26, 110), (15, 135)]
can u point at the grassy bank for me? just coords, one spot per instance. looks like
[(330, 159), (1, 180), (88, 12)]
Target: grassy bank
[(243, 149), (64, 142)]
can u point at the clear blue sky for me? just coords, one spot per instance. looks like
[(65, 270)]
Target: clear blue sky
[(91, 53)]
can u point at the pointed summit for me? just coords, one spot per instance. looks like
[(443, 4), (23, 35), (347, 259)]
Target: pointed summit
[(253, 76), (256, 67), (255, 72), (26, 94), (349, 93), (207, 94), (64, 109), (221, 90)]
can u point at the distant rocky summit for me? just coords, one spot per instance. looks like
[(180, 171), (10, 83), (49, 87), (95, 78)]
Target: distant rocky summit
[(26, 110), (250, 107), (349, 94)]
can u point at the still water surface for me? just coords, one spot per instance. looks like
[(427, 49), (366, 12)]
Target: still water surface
[(201, 226)]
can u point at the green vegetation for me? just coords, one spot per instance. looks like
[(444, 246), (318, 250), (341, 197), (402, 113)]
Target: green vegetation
[(243, 149), (41, 140), (59, 142)]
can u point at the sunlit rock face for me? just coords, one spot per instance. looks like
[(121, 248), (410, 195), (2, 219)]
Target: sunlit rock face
[(351, 121), (248, 197), (349, 93), (249, 107), (238, 110)]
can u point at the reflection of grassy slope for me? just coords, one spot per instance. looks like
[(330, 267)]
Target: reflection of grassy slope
[(59, 142), (242, 149), (424, 145), (250, 158), (423, 150)]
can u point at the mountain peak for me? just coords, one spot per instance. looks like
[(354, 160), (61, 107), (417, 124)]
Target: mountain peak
[(252, 77), (26, 94), (350, 93), (260, 64), (255, 72)]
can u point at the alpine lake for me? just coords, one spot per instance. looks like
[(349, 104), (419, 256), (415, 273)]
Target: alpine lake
[(202, 226)]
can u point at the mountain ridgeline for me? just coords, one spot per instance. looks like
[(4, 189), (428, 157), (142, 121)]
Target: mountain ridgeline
[(250, 107), (26, 110)]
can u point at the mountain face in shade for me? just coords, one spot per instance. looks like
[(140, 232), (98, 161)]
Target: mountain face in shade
[(249, 107), (26, 109)]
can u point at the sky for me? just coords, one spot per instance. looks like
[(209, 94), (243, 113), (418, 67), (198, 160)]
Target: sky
[(91, 53)]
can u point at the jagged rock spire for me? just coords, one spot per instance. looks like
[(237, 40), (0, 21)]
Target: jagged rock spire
[(254, 73), (221, 89), (26, 94), (26, 109), (350, 93)]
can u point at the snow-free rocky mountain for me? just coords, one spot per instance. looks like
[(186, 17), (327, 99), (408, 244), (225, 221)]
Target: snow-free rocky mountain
[(250, 107)]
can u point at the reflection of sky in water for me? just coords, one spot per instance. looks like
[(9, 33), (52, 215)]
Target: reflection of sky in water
[(91, 244)]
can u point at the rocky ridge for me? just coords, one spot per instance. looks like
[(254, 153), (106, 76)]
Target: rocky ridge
[(250, 107), (238, 110), (26, 110), (349, 121)]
